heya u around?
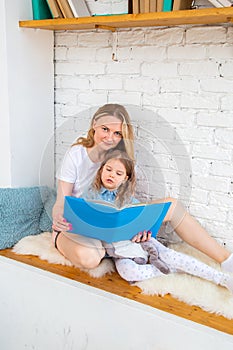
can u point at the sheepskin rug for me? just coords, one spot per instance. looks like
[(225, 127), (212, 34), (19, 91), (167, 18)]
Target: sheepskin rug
[(189, 289)]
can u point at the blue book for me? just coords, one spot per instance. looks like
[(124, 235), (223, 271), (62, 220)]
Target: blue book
[(41, 10), (110, 224), (167, 5)]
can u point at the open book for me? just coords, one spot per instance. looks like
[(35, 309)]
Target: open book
[(103, 221)]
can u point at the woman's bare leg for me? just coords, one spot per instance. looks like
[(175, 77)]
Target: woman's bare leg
[(190, 231), (80, 254)]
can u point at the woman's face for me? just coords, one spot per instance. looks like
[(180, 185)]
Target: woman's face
[(108, 132), (113, 174)]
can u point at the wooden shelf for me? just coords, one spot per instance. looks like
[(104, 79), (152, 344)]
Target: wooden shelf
[(201, 16)]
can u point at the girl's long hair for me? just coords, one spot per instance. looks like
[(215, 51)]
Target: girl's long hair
[(126, 190), (118, 111)]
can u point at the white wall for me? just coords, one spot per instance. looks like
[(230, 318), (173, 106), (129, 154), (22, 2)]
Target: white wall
[(51, 312), (26, 109), (178, 82)]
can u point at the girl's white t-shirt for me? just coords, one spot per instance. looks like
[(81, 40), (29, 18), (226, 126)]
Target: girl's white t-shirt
[(77, 168)]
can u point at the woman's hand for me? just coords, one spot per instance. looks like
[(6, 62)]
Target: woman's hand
[(142, 236), (60, 223)]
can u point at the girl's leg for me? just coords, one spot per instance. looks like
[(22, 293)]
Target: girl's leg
[(185, 263), (194, 234), (87, 253), (153, 256), (130, 271)]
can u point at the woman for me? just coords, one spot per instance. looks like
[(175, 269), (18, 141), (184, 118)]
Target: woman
[(111, 129)]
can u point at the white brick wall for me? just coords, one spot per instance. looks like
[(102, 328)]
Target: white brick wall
[(178, 85)]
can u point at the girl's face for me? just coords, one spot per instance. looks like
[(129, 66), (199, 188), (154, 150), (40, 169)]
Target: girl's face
[(113, 174), (108, 132)]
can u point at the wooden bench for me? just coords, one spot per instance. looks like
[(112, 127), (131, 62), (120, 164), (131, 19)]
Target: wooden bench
[(115, 284)]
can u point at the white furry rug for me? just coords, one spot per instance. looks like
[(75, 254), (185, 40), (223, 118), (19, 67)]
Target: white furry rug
[(189, 289), (41, 245)]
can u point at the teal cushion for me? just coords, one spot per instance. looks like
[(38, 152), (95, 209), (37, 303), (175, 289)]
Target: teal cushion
[(22, 213)]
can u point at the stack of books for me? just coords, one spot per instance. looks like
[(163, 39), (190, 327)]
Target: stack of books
[(146, 6), (45, 9)]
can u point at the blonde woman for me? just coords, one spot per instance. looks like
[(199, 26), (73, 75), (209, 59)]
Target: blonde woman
[(110, 129)]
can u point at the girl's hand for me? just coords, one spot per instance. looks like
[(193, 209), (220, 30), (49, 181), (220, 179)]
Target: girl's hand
[(60, 224), (142, 236)]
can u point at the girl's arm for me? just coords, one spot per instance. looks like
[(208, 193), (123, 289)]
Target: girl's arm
[(59, 223)]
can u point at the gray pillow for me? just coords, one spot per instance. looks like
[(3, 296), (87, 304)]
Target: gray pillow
[(22, 213), (48, 198)]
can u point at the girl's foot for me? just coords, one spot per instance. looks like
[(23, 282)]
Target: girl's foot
[(227, 265), (228, 283)]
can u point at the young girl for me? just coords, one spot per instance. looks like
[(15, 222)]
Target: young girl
[(115, 183)]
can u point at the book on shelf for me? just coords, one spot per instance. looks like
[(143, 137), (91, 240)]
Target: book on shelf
[(221, 3), (153, 6), (159, 5), (54, 8), (135, 6), (65, 9), (40, 10), (146, 6), (182, 4), (105, 222), (167, 5), (226, 3), (130, 6), (141, 6), (79, 8)]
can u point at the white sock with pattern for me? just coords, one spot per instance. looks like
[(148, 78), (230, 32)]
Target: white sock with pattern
[(227, 265)]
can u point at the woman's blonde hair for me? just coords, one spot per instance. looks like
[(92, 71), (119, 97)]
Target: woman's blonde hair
[(118, 111), (126, 190)]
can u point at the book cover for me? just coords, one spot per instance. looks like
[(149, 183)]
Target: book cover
[(54, 9), (65, 8), (167, 5), (110, 224), (79, 8), (40, 9)]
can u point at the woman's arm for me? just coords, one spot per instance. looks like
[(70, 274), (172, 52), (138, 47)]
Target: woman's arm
[(59, 223)]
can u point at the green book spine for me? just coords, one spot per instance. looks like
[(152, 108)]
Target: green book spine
[(167, 5), (40, 9)]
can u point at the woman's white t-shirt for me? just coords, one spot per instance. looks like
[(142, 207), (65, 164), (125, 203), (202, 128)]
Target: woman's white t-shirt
[(77, 168)]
